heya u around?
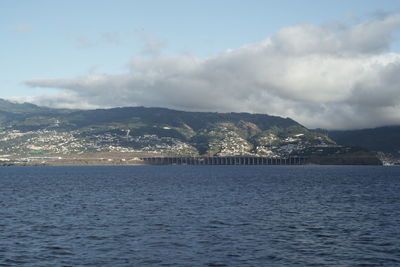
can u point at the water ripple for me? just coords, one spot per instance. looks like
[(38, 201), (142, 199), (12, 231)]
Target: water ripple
[(200, 216)]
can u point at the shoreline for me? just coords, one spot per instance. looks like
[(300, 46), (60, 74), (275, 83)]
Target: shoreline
[(144, 164), (164, 160)]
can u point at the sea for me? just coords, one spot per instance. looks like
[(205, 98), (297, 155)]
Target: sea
[(200, 216)]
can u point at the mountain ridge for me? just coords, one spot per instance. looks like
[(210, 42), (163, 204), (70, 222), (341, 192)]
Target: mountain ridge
[(28, 130), (385, 138)]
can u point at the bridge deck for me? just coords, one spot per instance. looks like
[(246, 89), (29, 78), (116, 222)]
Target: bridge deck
[(237, 160)]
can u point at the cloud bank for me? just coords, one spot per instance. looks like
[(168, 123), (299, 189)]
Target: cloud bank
[(332, 76)]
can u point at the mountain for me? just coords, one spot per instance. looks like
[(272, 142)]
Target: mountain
[(384, 139), (27, 130), (10, 107), (12, 113)]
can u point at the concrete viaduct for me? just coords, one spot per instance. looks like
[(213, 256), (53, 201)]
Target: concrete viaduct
[(231, 160)]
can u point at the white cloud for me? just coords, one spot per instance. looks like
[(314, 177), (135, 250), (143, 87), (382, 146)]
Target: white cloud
[(334, 76), (83, 41), (110, 37), (153, 46), (23, 28)]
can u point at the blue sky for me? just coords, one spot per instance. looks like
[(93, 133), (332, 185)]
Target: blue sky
[(70, 39), (66, 38)]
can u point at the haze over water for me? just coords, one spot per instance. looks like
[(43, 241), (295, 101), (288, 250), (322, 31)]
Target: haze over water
[(199, 216)]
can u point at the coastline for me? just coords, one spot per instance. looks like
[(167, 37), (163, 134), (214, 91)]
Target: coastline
[(147, 159), (142, 163)]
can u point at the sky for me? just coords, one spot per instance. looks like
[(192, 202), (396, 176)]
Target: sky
[(327, 64)]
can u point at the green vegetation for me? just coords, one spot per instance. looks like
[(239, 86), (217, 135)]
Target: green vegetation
[(384, 139), (27, 129)]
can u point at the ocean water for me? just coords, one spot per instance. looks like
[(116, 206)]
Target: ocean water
[(200, 216)]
